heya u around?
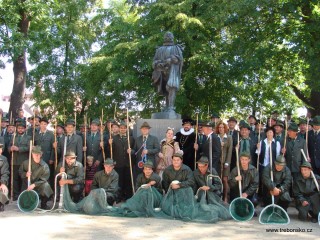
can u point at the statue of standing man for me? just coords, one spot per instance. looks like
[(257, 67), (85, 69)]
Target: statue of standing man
[(167, 67)]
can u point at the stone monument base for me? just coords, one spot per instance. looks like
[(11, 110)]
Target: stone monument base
[(158, 127), (166, 115)]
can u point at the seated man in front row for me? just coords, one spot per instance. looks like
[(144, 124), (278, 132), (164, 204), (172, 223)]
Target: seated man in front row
[(39, 176), (149, 177), (249, 178), (306, 194), (178, 172), (212, 185), (280, 185), (108, 179), (75, 176)]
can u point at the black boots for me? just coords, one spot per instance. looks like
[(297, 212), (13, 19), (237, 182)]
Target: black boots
[(44, 205), (1, 207)]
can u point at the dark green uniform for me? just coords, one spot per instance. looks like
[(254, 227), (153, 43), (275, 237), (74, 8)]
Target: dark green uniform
[(23, 143), (4, 178), (184, 175), (109, 182), (76, 173), (214, 184), (282, 180), (250, 182), (40, 174), (141, 179), (305, 190)]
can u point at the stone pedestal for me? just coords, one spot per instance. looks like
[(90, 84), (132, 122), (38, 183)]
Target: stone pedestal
[(158, 127), (166, 115)]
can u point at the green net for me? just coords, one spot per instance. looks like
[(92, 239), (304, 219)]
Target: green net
[(148, 202), (28, 201), (274, 214), (241, 209)]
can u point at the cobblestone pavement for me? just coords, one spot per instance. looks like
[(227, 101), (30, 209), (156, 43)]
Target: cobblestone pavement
[(36, 225)]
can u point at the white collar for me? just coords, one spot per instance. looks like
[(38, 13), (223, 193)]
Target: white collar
[(186, 133)]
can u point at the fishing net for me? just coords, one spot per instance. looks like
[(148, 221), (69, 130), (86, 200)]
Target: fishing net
[(148, 202), (274, 214), (28, 201), (241, 209)]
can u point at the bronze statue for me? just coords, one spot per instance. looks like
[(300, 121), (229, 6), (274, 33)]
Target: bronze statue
[(167, 67)]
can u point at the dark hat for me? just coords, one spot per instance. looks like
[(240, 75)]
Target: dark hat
[(200, 122), (60, 124), (33, 117), (293, 127), (70, 154), (215, 115), (115, 122), (203, 160), (70, 122), (232, 119), (187, 120), (21, 124), (148, 164), (275, 112), (280, 160), (258, 121), (302, 121), (4, 119), (208, 124), (44, 119), (279, 123), (96, 122), (36, 150), (122, 123), (244, 125), (145, 125), (109, 161), (178, 155), (252, 116), (306, 164), (316, 121)]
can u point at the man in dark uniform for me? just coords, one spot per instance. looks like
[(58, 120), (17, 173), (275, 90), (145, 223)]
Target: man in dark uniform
[(93, 144), (121, 157), (4, 180), (39, 176), (247, 144), (146, 148), (75, 176), (249, 178), (149, 177), (45, 139), (20, 149), (302, 128), (306, 193), (280, 185), (178, 172), (314, 145), (186, 138), (293, 148), (232, 122), (74, 142), (34, 122), (280, 135), (212, 185), (108, 179), (4, 125), (211, 148)]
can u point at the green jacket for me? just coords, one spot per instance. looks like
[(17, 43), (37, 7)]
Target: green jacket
[(201, 180), (23, 143), (184, 175), (4, 170), (141, 179), (281, 179), (303, 189), (109, 182), (250, 180), (74, 172)]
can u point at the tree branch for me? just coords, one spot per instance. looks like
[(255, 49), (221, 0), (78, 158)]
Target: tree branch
[(300, 95)]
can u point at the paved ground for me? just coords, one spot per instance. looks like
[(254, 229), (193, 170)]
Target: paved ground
[(15, 224)]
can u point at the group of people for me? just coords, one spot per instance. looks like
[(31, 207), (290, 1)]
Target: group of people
[(107, 156)]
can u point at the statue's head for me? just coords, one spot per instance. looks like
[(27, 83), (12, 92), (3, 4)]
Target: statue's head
[(168, 37)]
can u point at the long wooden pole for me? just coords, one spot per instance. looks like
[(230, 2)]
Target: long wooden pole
[(129, 147), (307, 137), (13, 142), (34, 126), (55, 149), (85, 144), (29, 163), (285, 134), (0, 124), (196, 140), (101, 140), (238, 165)]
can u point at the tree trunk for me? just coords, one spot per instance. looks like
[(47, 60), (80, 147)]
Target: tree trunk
[(19, 70), (314, 108)]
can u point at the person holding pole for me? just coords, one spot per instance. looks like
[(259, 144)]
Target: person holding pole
[(4, 180)]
